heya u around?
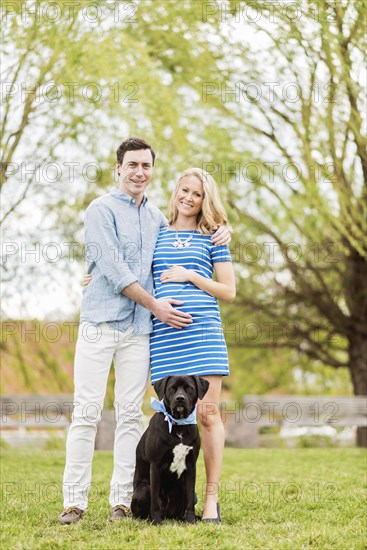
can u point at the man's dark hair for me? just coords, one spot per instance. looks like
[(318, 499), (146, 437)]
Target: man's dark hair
[(133, 144)]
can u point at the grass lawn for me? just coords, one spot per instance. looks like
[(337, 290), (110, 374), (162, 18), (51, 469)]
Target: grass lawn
[(270, 498)]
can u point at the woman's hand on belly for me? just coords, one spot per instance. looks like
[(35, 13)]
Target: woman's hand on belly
[(176, 274)]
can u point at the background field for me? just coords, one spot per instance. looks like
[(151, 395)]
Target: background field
[(276, 499)]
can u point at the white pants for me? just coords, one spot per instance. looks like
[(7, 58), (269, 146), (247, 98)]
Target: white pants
[(96, 347)]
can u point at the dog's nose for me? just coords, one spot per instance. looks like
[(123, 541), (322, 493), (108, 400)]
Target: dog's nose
[(180, 397)]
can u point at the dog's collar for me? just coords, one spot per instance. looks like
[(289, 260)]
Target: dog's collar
[(159, 406)]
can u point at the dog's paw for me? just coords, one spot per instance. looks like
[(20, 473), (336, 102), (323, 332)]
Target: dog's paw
[(157, 519), (190, 517)]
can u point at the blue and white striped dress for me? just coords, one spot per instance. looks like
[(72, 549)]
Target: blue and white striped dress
[(200, 348)]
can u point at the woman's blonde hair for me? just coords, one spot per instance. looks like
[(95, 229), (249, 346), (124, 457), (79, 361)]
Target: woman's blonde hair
[(212, 211)]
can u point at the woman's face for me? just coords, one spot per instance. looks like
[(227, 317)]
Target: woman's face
[(190, 196)]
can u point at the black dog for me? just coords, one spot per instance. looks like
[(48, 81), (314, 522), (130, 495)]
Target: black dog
[(165, 473)]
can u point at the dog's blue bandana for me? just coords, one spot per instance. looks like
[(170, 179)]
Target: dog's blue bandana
[(160, 407)]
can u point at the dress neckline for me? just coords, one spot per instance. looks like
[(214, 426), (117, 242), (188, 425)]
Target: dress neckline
[(182, 230)]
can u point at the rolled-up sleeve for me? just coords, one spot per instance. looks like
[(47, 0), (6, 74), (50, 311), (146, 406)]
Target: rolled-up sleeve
[(164, 221), (104, 249)]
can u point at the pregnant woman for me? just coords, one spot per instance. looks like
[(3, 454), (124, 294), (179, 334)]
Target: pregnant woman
[(183, 264)]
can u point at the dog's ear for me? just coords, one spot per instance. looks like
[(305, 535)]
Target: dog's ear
[(160, 387), (202, 386)]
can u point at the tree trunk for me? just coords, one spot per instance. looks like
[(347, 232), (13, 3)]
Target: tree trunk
[(358, 370), (356, 297)]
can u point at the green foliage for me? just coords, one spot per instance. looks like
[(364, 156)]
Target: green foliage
[(36, 359), (55, 444), (311, 441), (4, 445), (255, 372), (34, 364)]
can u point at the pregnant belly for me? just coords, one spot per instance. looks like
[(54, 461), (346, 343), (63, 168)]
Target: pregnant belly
[(198, 303)]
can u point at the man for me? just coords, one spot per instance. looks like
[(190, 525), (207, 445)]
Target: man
[(121, 229)]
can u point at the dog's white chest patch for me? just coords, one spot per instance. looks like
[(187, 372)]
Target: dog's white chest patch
[(180, 453)]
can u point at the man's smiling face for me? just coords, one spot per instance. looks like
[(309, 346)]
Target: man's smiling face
[(136, 172)]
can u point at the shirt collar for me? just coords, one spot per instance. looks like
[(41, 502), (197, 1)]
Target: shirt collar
[(124, 197)]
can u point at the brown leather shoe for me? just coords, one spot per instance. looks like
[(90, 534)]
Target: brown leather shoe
[(118, 512), (71, 515)]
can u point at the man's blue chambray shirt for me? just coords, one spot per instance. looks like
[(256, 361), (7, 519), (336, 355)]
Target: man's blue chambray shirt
[(120, 239)]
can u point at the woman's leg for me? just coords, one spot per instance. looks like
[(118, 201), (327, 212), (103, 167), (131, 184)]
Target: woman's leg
[(212, 440)]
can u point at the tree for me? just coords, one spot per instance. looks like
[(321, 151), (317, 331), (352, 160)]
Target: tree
[(307, 184)]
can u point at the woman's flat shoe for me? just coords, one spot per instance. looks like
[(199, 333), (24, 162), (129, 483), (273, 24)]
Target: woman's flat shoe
[(214, 520)]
